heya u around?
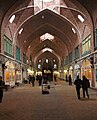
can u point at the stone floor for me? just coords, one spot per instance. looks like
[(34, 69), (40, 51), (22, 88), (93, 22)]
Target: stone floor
[(28, 103)]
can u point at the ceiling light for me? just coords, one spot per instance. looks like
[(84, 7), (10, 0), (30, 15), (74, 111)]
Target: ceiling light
[(81, 18), (73, 30), (20, 30), (12, 19)]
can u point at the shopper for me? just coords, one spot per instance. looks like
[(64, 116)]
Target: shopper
[(70, 80), (78, 84), (85, 86), (40, 80), (66, 78)]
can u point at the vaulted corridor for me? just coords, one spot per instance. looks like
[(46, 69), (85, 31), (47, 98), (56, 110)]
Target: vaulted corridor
[(43, 40)]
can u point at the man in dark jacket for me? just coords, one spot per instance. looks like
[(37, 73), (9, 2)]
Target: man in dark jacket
[(85, 86), (78, 84), (1, 88)]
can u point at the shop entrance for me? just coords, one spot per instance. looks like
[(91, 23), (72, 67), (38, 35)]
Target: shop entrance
[(47, 71), (86, 69)]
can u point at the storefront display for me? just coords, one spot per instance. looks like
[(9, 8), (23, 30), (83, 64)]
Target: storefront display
[(76, 70), (18, 72), (9, 73), (86, 69)]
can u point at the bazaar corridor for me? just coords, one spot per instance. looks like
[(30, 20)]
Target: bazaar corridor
[(48, 41), (28, 103)]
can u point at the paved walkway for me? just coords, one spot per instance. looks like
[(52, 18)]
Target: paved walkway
[(28, 103)]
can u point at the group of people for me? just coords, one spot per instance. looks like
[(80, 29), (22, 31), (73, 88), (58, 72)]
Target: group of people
[(84, 84), (32, 79)]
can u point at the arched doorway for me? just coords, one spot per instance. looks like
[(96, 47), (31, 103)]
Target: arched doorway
[(47, 70)]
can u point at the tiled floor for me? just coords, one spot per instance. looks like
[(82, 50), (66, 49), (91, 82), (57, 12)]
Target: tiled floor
[(27, 103)]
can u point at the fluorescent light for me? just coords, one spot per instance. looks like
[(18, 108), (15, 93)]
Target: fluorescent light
[(73, 30), (12, 19), (20, 30), (46, 0), (81, 18)]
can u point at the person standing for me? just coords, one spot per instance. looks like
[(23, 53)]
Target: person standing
[(40, 80), (78, 84), (66, 78), (1, 88), (32, 80), (29, 78), (70, 80), (85, 86)]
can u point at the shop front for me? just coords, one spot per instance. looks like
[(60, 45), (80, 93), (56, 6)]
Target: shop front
[(9, 73), (24, 73), (65, 72), (18, 73), (76, 70), (86, 69), (71, 71)]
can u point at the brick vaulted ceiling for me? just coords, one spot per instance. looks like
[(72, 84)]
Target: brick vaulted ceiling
[(47, 21)]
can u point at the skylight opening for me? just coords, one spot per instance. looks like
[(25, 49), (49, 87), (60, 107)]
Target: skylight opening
[(47, 49), (12, 19), (46, 0), (81, 18), (29, 46), (21, 30), (73, 30), (47, 36), (39, 60)]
